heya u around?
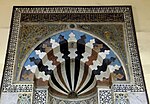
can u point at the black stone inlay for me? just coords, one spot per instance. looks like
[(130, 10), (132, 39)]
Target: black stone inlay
[(56, 83), (121, 71), (63, 46), (104, 66), (40, 65), (80, 49), (81, 46), (105, 47), (72, 26), (64, 49), (40, 46), (77, 70), (68, 72), (88, 84)]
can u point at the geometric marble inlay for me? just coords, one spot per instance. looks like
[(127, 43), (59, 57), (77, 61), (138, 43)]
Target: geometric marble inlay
[(105, 97), (24, 99), (121, 98), (73, 55), (40, 96), (72, 62)]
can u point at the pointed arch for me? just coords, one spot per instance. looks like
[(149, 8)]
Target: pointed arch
[(73, 62)]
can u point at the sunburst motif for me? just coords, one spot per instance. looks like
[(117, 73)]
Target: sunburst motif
[(72, 61)]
